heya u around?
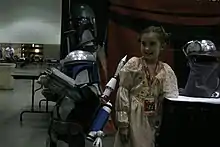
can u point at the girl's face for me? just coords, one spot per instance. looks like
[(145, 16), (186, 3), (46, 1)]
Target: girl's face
[(150, 46)]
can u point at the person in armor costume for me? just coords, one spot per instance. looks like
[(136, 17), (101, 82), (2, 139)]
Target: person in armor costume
[(203, 60), (75, 111), (82, 33), (78, 101)]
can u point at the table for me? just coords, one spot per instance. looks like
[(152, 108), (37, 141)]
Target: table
[(190, 122), (196, 100), (32, 77)]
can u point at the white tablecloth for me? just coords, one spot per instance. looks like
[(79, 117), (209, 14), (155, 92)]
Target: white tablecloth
[(195, 99)]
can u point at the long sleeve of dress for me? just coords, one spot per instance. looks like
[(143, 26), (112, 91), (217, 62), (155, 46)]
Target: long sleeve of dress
[(122, 98), (170, 86)]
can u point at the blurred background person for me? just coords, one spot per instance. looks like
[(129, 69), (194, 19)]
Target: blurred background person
[(9, 54)]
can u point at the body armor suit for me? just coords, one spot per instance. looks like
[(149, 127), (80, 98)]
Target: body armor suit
[(77, 103), (203, 60), (76, 86), (77, 111)]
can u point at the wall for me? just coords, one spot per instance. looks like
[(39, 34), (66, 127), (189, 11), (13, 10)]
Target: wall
[(187, 12), (30, 21), (52, 51)]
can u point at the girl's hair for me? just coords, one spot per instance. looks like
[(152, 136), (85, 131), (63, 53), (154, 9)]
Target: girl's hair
[(162, 35)]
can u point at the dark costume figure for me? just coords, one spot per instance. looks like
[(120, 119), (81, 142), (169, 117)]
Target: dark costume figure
[(75, 87), (82, 33), (203, 80), (82, 28), (76, 103)]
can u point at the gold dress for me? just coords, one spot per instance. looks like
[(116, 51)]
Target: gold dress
[(139, 99)]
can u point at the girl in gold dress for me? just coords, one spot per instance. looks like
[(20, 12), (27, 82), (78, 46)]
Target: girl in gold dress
[(144, 83)]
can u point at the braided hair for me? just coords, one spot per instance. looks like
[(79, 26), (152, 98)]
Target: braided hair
[(162, 35)]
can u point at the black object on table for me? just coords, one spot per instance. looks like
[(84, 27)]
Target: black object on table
[(32, 77), (190, 124)]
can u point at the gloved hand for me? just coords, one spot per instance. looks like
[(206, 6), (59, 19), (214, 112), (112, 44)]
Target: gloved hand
[(42, 79), (124, 134), (98, 140)]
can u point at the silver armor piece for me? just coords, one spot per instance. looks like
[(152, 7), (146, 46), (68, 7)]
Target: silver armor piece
[(61, 75), (84, 76), (79, 55), (120, 65), (203, 47), (216, 94), (207, 45)]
